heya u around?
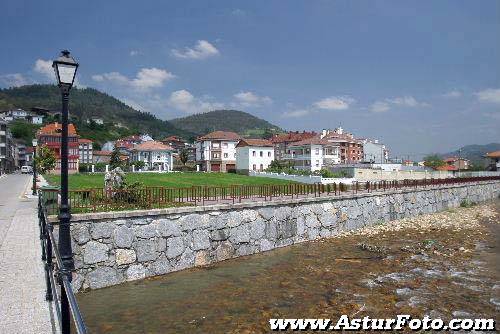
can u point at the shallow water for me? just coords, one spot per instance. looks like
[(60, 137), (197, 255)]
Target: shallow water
[(409, 272)]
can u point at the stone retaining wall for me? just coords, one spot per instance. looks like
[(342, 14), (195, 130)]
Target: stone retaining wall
[(111, 248)]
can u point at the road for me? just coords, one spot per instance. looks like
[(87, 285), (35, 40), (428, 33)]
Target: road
[(12, 187), (23, 308)]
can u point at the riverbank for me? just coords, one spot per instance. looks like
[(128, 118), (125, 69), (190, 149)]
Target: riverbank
[(442, 265)]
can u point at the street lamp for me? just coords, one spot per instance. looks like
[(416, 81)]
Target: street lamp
[(35, 143), (65, 68)]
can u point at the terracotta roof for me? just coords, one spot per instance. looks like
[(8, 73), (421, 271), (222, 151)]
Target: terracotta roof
[(152, 146), (131, 138), (101, 152), (85, 141), (125, 144), (311, 141), (292, 137), (225, 135), (446, 168), (495, 154), (173, 138), (54, 129), (255, 142)]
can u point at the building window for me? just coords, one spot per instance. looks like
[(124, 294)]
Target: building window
[(261, 167), (224, 145), (225, 155), (261, 153), (317, 150), (317, 163), (269, 154), (254, 153), (254, 167)]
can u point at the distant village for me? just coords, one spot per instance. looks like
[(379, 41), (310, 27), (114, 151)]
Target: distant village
[(218, 151)]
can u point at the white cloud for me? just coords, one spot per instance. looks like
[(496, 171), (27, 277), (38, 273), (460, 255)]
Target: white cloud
[(403, 101), (184, 101), (380, 106), (489, 95), (335, 103), (250, 99), (134, 53), (14, 80), (44, 67), (296, 113), (145, 79), (203, 49), (452, 94)]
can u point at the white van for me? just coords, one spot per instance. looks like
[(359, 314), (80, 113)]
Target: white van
[(26, 169)]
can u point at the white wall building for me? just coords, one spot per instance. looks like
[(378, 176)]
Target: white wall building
[(254, 154), (155, 155), (216, 151), (313, 154)]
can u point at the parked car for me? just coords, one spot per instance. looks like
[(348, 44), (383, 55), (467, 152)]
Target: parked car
[(26, 169)]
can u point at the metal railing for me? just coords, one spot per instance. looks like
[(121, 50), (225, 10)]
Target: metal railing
[(58, 282), (101, 200)]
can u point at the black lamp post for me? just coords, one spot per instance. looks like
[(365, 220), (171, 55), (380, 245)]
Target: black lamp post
[(65, 68), (35, 143)]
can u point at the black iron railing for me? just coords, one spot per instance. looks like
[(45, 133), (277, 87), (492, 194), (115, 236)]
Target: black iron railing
[(58, 289), (101, 200)]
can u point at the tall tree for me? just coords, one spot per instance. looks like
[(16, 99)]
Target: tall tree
[(45, 159), (183, 156), (115, 160), (433, 161)]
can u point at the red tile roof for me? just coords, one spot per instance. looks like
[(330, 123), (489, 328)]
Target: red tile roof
[(495, 154), (152, 146), (84, 141), (311, 141), (174, 138), (291, 137), (224, 135), (54, 129), (103, 153), (255, 142), (446, 168)]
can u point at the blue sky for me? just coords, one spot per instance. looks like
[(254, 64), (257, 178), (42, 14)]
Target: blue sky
[(422, 76)]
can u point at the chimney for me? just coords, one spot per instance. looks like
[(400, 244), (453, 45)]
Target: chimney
[(323, 133)]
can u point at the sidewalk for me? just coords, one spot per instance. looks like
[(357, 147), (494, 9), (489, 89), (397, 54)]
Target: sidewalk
[(23, 308)]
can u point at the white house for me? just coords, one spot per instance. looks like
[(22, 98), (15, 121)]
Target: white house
[(313, 154), (254, 154), (155, 155), (216, 151)]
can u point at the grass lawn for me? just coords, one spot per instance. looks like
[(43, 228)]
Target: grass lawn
[(174, 180)]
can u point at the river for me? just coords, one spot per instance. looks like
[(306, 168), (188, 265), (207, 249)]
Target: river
[(443, 265)]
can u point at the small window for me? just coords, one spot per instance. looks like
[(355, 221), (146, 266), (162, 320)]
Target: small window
[(225, 155), (261, 153), (269, 154), (254, 167), (261, 167), (317, 150), (224, 145), (254, 153)]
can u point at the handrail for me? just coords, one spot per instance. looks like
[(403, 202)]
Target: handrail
[(50, 251)]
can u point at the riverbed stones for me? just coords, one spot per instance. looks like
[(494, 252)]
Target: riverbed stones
[(95, 252), (112, 250)]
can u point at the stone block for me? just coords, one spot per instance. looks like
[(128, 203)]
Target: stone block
[(175, 247), (167, 227), (102, 230), (123, 236), (145, 250), (102, 277), (224, 251), (135, 272), (124, 256), (146, 231), (219, 235), (201, 258), (95, 252), (80, 233), (201, 239), (240, 234)]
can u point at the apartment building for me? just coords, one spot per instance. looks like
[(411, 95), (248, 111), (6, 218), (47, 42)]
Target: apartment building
[(7, 162), (374, 152), (50, 136), (282, 141), (350, 148), (313, 154), (85, 151), (216, 151), (254, 154), (458, 163), (155, 155)]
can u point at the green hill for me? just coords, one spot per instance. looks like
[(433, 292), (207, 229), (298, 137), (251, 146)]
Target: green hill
[(226, 120), (120, 119), (475, 153)]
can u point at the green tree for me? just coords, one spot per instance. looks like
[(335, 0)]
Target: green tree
[(115, 160), (183, 156), (45, 159), (433, 161)]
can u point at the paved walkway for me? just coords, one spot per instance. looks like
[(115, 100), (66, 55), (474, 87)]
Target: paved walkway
[(23, 308)]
